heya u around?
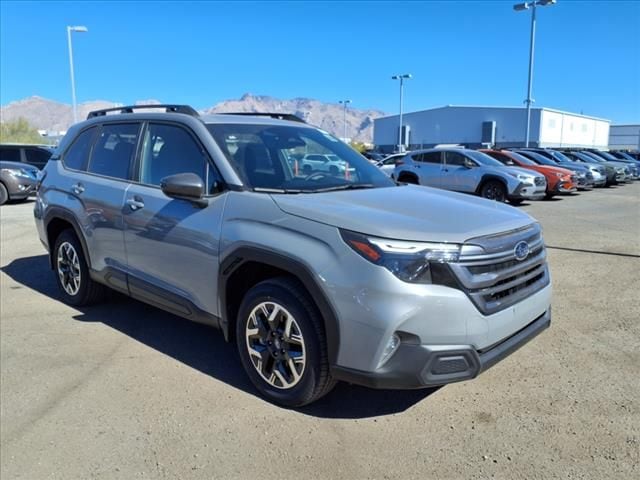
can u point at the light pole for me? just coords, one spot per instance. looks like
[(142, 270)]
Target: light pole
[(79, 29), (402, 78), (518, 8), (344, 117)]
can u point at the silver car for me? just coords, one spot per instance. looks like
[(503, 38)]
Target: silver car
[(315, 277), (17, 181), (470, 171)]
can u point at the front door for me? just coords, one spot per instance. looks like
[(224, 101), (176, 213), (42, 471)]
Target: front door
[(173, 244)]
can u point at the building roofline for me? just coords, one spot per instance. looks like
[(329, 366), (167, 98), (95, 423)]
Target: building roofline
[(499, 108)]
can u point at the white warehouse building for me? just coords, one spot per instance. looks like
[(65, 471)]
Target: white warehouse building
[(490, 126)]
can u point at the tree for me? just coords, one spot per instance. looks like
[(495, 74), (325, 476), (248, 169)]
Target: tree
[(358, 146), (19, 131)]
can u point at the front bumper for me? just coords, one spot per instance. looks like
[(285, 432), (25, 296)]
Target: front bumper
[(565, 187), (526, 191), (22, 188), (419, 366)]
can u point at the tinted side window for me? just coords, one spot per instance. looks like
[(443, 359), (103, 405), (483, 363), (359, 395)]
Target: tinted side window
[(10, 154), (167, 150), (114, 149), (76, 157), (431, 157), (454, 158), (37, 156)]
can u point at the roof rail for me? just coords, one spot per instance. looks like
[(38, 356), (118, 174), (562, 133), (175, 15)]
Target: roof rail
[(186, 109), (279, 116)]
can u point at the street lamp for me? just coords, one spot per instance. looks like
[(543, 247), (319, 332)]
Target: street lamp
[(344, 117), (518, 8), (402, 78), (79, 29)]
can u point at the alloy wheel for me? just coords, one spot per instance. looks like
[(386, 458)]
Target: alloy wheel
[(275, 345), (69, 268)]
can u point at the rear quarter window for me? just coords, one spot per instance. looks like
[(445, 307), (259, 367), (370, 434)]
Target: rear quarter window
[(78, 153), (10, 154)]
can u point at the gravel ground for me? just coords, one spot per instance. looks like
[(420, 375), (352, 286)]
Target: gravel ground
[(125, 391)]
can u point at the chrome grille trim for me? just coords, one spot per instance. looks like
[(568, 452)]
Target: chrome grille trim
[(495, 280)]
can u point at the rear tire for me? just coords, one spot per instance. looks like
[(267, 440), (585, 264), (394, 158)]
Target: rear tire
[(515, 201), (282, 344), (4, 195), (494, 190), (72, 272)]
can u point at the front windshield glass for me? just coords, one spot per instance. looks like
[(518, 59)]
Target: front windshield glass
[(292, 159), (607, 155), (594, 157), (483, 158), (522, 159), (540, 159), (559, 156)]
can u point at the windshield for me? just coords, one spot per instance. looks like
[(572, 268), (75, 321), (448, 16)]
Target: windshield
[(483, 158), (539, 159), (522, 159), (593, 156), (606, 155), (559, 156), (292, 159)]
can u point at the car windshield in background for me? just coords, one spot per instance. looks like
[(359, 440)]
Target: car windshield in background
[(483, 158), (522, 159), (291, 159), (559, 156), (607, 156), (540, 159)]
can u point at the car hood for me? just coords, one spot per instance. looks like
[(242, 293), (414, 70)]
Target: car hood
[(523, 171), (575, 168), (408, 212), (549, 169), (24, 166)]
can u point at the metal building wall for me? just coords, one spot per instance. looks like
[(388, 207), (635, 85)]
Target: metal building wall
[(624, 137)]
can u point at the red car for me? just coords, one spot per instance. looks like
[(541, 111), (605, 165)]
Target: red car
[(559, 180)]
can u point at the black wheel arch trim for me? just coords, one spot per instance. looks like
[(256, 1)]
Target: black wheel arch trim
[(244, 254), (54, 213), (487, 177)]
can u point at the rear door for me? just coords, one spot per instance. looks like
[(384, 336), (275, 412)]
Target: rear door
[(428, 166), (10, 154), (172, 244)]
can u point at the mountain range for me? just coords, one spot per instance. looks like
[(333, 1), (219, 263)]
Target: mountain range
[(54, 116)]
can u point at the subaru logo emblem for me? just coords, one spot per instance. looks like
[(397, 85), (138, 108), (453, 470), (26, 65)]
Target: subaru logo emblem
[(521, 251)]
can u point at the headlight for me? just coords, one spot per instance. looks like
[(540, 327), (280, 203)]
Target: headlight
[(18, 172), (412, 262), (522, 177), (560, 175)]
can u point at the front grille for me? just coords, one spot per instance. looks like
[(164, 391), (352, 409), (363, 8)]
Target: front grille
[(493, 278), (589, 176), (539, 181)]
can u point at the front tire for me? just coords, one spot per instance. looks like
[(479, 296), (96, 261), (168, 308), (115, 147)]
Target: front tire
[(4, 194), (72, 272), (494, 190), (282, 343)]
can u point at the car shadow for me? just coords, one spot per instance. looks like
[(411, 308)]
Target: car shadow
[(204, 348)]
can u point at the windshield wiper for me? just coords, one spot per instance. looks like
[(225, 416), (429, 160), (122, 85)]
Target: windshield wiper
[(276, 190), (348, 186)]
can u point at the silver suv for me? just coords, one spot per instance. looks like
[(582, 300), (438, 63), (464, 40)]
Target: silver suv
[(316, 276), (470, 171)]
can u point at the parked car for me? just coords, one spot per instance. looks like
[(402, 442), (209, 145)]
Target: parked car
[(35, 155), (17, 181), (388, 165), (559, 180), (316, 162), (583, 174), (316, 279), (631, 164), (620, 155), (375, 157), (623, 171), (610, 171), (470, 171)]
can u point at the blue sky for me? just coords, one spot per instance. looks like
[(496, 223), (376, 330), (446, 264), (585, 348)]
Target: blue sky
[(476, 53)]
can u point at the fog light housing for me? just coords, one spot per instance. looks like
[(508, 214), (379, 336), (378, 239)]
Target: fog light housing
[(389, 349)]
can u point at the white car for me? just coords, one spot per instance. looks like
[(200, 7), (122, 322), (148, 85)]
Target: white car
[(388, 165), (317, 162)]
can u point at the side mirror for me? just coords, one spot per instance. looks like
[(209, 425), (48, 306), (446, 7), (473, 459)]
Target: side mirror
[(468, 163), (185, 186)]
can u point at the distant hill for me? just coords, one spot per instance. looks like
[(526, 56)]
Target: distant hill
[(54, 116)]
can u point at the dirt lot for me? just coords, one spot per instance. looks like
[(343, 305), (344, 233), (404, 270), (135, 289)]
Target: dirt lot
[(126, 391)]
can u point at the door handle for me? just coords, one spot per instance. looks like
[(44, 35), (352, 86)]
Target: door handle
[(135, 203), (78, 188)]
